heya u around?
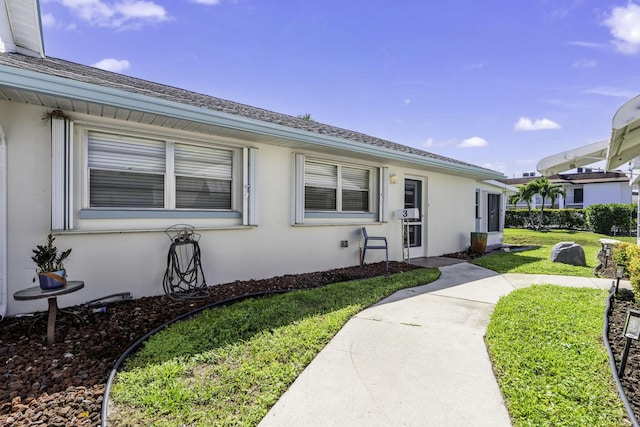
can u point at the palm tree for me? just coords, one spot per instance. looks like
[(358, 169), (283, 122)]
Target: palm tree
[(548, 190), (525, 194)]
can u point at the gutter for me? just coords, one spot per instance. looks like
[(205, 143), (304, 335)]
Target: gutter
[(3, 226), (88, 92)]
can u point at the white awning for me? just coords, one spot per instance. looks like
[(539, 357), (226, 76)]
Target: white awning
[(20, 27), (624, 145), (573, 158)]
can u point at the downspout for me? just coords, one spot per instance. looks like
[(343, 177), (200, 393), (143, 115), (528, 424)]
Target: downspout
[(3, 226)]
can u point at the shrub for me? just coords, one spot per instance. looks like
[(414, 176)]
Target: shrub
[(634, 276), (622, 251), (629, 254), (599, 218), (569, 219), (611, 218), (517, 218)]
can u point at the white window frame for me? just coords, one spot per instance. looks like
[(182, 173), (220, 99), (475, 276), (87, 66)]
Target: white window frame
[(170, 173), (244, 190), (378, 188)]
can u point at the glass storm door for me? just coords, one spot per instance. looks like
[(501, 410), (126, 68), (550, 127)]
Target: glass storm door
[(413, 199)]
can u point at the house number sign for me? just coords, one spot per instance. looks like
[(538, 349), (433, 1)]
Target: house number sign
[(412, 213)]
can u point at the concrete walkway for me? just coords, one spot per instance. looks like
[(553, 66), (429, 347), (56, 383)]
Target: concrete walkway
[(417, 358)]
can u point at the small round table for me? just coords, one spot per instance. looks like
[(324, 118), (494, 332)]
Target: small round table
[(36, 292)]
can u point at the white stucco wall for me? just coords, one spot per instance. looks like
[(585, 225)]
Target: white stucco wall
[(112, 261), (608, 192), (494, 238)]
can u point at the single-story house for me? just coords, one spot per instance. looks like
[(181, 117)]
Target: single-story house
[(108, 162), (583, 188)]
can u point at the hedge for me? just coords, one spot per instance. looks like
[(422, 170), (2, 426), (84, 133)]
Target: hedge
[(570, 219), (609, 219)]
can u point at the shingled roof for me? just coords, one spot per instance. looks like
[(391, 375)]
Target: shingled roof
[(91, 75)]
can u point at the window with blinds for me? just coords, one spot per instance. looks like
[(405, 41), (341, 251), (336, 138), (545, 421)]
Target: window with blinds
[(355, 189), (126, 172), (338, 188), (203, 177)]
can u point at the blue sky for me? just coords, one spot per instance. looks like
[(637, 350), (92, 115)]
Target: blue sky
[(497, 83)]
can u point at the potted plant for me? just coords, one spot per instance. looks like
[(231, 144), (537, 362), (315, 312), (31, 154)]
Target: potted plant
[(479, 242), (50, 265)]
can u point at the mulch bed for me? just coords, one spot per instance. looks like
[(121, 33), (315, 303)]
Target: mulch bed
[(63, 384), (621, 303), (631, 379)]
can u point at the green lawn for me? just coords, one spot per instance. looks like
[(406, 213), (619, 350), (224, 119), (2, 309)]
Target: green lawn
[(536, 261), (546, 346), (229, 365)]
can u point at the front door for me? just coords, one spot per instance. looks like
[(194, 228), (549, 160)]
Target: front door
[(413, 199)]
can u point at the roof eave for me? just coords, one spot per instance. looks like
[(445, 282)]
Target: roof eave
[(624, 144), (72, 89)]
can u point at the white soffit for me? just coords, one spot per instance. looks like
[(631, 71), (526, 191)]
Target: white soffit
[(573, 158), (624, 145), (24, 34)]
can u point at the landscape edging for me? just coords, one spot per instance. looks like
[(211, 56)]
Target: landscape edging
[(104, 413), (612, 363)]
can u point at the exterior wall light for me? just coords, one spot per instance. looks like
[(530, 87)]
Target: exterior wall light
[(631, 332), (393, 179)]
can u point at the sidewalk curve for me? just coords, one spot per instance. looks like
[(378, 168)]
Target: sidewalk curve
[(416, 358)]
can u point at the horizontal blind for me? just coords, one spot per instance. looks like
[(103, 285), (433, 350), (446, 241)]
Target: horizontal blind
[(193, 160), (202, 193), (317, 198), (320, 175), (128, 154), (355, 189), (126, 172), (355, 179), (125, 190)]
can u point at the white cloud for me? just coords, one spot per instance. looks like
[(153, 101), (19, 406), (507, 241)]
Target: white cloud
[(207, 2), (526, 124), (124, 14), (624, 25), (590, 45), (48, 20), (430, 142), (475, 66), (473, 142), (115, 65), (611, 91), (585, 63)]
